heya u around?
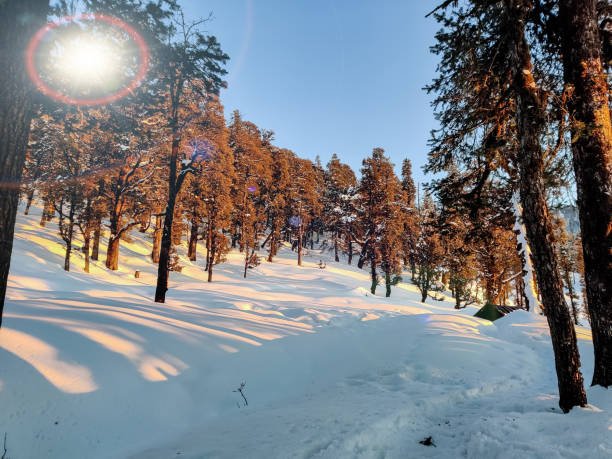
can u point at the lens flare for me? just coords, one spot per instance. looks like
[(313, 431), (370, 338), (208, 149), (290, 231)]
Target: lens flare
[(90, 59), (200, 149)]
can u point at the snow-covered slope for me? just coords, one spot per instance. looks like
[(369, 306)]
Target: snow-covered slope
[(91, 367)]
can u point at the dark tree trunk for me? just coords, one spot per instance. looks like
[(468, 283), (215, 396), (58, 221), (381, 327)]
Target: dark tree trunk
[(247, 259), (193, 241), (29, 199), (531, 118), (336, 258), (157, 234), (48, 211), (350, 250), (388, 283), (273, 245), (592, 151), (211, 261), (299, 244), (112, 253), (86, 243), (363, 254), (95, 250), (373, 274), (19, 19), (69, 232), (166, 239)]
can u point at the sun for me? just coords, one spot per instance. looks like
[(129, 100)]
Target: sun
[(88, 61)]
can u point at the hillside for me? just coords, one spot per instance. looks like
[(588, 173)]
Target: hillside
[(92, 367)]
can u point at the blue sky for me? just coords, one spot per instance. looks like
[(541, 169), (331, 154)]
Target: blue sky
[(329, 76)]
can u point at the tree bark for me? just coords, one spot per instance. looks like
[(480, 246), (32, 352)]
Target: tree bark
[(86, 243), (114, 238), (69, 234), (112, 253), (211, 261), (299, 244), (163, 270), (336, 258), (193, 241), (387, 283), (592, 154), (19, 19), (157, 233), (29, 199), (95, 250), (531, 119), (373, 274)]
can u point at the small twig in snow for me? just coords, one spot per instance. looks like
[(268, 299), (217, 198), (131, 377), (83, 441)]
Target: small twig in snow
[(240, 390)]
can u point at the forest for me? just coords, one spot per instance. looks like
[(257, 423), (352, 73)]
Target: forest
[(524, 140)]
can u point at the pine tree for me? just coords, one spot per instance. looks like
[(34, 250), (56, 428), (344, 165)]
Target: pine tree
[(191, 68), (591, 128), (337, 209), (303, 200), (490, 96), (15, 115), (428, 251), (410, 220), (277, 193), (380, 212), (216, 184), (252, 168)]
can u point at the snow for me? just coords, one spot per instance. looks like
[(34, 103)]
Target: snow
[(92, 367)]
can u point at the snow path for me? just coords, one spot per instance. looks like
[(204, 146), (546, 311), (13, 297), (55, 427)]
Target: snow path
[(92, 367)]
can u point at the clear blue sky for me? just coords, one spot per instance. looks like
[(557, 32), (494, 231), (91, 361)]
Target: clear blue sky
[(330, 76)]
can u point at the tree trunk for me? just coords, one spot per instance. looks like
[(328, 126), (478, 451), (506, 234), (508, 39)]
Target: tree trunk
[(592, 152), (531, 118), (193, 241), (95, 251), (19, 19), (69, 232), (273, 242), (112, 253), (530, 297), (47, 212), (86, 242), (157, 234), (336, 258), (247, 258), (350, 250), (211, 261), (373, 274), (299, 247), (569, 282), (388, 283), (163, 269), (29, 199)]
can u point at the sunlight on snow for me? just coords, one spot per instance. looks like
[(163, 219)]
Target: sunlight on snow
[(27, 282), (67, 377), (538, 329), (458, 326), (152, 368)]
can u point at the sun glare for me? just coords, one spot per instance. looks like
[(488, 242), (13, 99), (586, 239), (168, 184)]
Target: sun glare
[(91, 59), (88, 61)]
